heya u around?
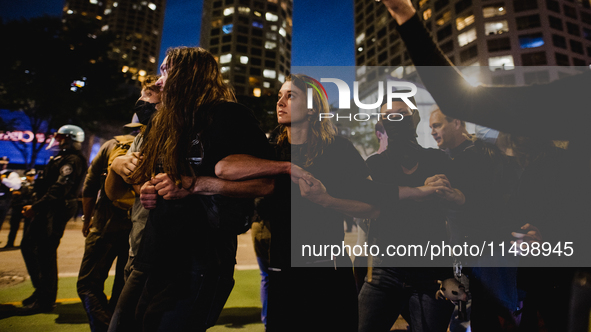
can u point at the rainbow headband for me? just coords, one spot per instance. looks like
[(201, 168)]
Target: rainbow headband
[(317, 86)]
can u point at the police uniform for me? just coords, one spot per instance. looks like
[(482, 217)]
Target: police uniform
[(19, 201), (57, 202), (10, 181)]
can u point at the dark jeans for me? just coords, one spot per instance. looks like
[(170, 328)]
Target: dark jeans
[(312, 299), (99, 253), (261, 237), (172, 302), (391, 290), (123, 319), (39, 248)]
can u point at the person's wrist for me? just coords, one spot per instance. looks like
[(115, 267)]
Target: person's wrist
[(403, 13)]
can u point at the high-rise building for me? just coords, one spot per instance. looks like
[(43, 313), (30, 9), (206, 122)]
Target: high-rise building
[(137, 28), (494, 42), (500, 34), (251, 39)]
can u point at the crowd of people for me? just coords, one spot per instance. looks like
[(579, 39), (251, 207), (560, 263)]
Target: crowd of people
[(169, 201)]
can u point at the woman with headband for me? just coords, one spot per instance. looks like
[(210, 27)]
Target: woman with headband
[(319, 177)]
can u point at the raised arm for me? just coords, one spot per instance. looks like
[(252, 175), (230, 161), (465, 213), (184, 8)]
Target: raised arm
[(525, 111)]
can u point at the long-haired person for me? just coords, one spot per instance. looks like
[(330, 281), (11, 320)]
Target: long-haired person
[(328, 179), (189, 256)]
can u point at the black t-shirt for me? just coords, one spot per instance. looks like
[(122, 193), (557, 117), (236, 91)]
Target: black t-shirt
[(177, 231), (295, 221), (409, 222), (343, 172)]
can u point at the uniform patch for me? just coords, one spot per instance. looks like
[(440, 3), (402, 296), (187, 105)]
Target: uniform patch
[(66, 170)]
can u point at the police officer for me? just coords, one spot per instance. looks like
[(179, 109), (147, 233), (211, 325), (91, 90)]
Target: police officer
[(22, 197), (57, 202), (9, 181)]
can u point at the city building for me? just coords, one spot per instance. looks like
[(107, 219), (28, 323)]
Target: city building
[(137, 28), (498, 42), (251, 39)]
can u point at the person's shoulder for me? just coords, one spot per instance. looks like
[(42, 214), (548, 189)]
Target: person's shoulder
[(341, 142), (434, 153), (228, 109)]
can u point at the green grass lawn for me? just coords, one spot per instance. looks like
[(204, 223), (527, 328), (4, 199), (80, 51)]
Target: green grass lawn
[(242, 311)]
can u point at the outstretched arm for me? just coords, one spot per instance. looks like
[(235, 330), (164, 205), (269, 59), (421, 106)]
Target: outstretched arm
[(163, 185), (244, 166)]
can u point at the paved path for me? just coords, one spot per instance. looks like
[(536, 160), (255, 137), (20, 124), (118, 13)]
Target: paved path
[(71, 249)]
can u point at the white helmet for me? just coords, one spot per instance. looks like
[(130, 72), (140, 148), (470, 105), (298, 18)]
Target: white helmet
[(72, 132)]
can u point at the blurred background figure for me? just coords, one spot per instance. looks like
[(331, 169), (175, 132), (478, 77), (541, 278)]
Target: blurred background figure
[(57, 191), (10, 181), (21, 197)]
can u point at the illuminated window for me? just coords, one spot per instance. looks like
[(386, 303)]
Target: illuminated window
[(115, 4), (504, 62), (257, 24), (494, 10), (467, 37), (271, 36), (422, 3), (217, 23), (243, 59), (427, 14), (281, 77), (105, 28), (153, 59), (361, 70), (282, 32), (226, 58), (229, 11), (266, 84), (227, 28), (273, 28), (125, 69), (94, 2), (256, 13), (271, 17), (253, 81), (225, 69), (268, 73), (142, 72), (442, 18), (107, 11), (464, 21), (256, 92), (70, 11), (270, 45), (243, 10), (360, 38), (152, 6), (495, 28), (531, 40)]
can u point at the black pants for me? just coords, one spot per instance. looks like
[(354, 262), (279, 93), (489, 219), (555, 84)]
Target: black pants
[(39, 248), (4, 207), (99, 253), (15, 222), (314, 299), (123, 319)]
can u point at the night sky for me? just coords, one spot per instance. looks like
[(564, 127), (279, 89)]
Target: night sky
[(323, 30)]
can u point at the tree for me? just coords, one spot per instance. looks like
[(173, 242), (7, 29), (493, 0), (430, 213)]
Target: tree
[(39, 73)]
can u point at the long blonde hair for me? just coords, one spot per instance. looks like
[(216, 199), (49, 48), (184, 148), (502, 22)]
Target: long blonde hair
[(321, 132)]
